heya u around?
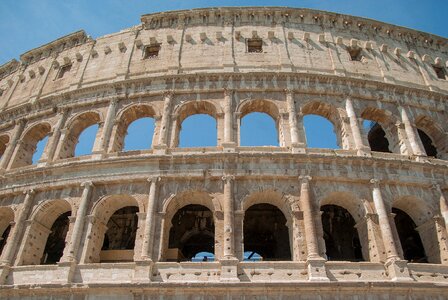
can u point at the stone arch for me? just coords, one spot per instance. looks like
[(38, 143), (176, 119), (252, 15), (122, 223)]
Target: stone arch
[(188, 109), (28, 144), (100, 215), (433, 130), (75, 126), (4, 140), (37, 233), (124, 118), (190, 197), (386, 127), (260, 106), (421, 214), (6, 217), (333, 114)]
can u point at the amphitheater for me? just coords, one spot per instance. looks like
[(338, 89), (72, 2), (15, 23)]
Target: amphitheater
[(365, 221)]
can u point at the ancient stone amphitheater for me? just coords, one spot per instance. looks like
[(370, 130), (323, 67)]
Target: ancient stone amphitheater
[(367, 220)]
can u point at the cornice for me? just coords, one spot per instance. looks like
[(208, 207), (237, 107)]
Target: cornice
[(9, 67)]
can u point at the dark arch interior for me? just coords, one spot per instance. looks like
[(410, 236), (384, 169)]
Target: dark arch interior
[(266, 233), (430, 149), (377, 138), (411, 243), (340, 235), (192, 231), (54, 248), (121, 229), (4, 238)]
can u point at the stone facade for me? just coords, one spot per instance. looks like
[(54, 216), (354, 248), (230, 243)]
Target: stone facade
[(227, 63)]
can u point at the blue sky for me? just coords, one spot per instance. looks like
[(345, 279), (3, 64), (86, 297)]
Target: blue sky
[(27, 24)]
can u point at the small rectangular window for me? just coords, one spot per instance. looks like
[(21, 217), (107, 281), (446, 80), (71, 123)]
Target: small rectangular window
[(440, 72), (151, 51), (63, 69), (355, 53), (254, 45)]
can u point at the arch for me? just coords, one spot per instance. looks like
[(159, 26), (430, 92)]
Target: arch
[(6, 217), (74, 129), (266, 232), (102, 212), (42, 220), (125, 117), (384, 127), (272, 197), (416, 230), (348, 201), (341, 237), (192, 231), (435, 133), (28, 144), (332, 114), (208, 137), (4, 140), (189, 109), (259, 105), (319, 132)]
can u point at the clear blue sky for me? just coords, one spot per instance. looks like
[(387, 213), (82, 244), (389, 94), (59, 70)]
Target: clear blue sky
[(27, 24)]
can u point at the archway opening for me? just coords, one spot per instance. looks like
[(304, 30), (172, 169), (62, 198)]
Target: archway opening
[(4, 140), (266, 233), (376, 136), (119, 239), (203, 257), (54, 248), (340, 235), (428, 144), (198, 130), (139, 134), (4, 238), (258, 129), (40, 147), (192, 232), (86, 141), (320, 132), (410, 240)]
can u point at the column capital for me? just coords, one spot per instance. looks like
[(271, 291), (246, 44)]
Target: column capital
[(399, 125), (305, 178), (154, 179), (20, 121), (228, 92), (87, 184), (375, 182), (345, 119), (168, 94), (114, 101), (29, 192), (289, 92), (228, 178)]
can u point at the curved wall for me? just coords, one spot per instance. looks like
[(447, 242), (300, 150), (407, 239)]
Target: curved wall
[(343, 68)]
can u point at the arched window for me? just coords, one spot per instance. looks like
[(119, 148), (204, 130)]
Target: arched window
[(4, 238), (119, 239), (320, 132), (258, 129), (55, 245), (376, 136), (410, 240), (198, 130), (4, 140), (32, 145), (430, 149), (86, 141), (6, 217), (139, 134), (340, 235), (192, 232), (265, 233)]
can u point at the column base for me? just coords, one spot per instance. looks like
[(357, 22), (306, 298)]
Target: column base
[(397, 270), (298, 148), (143, 271), (68, 268), (229, 147), (229, 269), (365, 152), (316, 269), (160, 149), (4, 272)]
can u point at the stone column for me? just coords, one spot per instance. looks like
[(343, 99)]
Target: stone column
[(443, 203), (164, 126), (15, 237), (296, 142), (228, 119), (315, 263), (81, 213), (150, 220), (411, 133), (107, 127), (356, 131), (56, 135), (12, 145), (229, 238)]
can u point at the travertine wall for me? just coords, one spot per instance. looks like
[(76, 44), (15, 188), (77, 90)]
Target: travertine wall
[(204, 67)]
